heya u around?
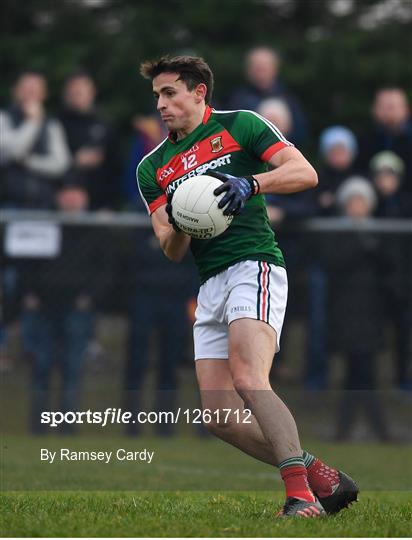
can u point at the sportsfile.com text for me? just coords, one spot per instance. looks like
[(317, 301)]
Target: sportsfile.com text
[(112, 416)]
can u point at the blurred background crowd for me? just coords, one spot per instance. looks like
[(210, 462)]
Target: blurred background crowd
[(64, 147)]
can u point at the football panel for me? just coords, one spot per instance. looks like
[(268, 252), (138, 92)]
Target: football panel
[(200, 191), (196, 225), (220, 221), (182, 193), (207, 197)]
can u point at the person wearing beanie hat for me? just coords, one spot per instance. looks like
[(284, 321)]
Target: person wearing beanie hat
[(387, 172), (338, 149), (336, 136), (356, 197), (387, 160), (355, 262)]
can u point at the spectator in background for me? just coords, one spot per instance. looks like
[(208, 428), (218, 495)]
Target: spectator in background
[(387, 173), (62, 291), (277, 111), (391, 130), (286, 208), (148, 133), (262, 73), (91, 140), (33, 149), (296, 205), (159, 293), (338, 149), (355, 307)]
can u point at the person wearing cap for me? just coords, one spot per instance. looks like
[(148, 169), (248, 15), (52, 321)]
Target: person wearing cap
[(387, 172), (355, 264), (337, 149)]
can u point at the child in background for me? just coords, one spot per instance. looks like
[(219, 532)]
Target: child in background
[(355, 261), (387, 172)]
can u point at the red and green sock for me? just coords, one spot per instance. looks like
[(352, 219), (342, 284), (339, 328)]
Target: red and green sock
[(322, 479), (295, 477)]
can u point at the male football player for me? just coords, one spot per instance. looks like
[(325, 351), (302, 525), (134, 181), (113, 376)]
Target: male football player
[(243, 293)]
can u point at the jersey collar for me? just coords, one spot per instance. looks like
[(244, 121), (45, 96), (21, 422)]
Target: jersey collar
[(207, 114)]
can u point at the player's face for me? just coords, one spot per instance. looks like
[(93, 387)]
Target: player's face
[(175, 102)]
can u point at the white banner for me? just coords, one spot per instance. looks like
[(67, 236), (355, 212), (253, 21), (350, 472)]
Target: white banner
[(32, 239)]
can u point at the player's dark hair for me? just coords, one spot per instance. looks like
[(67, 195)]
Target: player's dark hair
[(192, 70)]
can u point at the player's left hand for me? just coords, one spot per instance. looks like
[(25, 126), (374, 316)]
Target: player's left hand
[(238, 190)]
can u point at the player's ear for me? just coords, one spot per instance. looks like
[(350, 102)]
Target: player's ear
[(200, 92)]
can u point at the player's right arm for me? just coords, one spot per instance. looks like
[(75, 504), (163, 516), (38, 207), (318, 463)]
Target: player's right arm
[(174, 244)]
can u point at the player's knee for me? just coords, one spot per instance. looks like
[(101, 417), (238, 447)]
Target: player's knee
[(221, 422), (246, 383)]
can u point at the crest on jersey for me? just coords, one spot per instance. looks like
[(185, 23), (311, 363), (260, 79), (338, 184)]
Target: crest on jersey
[(216, 144)]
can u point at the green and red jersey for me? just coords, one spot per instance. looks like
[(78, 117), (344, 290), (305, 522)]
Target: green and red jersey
[(235, 142)]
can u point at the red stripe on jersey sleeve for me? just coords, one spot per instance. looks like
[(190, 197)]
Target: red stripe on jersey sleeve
[(272, 150), (157, 203)]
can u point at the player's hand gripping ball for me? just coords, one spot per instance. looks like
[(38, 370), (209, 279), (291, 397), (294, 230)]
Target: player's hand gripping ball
[(194, 208)]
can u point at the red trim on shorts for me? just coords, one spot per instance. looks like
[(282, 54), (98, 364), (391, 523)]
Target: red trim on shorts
[(265, 292)]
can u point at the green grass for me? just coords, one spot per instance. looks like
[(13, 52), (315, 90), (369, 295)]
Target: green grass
[(193, 487), (125, 514)]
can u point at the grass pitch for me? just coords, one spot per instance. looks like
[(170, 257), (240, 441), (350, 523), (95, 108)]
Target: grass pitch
[(217, 491), (185, 514)]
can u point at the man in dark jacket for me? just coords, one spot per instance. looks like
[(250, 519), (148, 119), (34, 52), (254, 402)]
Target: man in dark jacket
[(61, 293), (91, 140), (391, 130), (262, 73)]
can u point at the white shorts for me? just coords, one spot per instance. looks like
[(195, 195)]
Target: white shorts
[(249, 289)]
